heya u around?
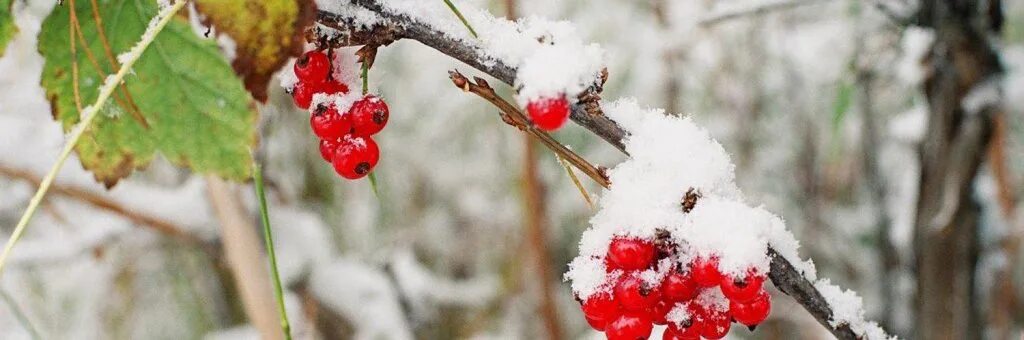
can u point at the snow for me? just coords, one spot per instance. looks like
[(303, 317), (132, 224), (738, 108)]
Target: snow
[(916, 43), (552, 60), (147, 36), (848, 309), (981, 96), (669, 156), (364, 295)]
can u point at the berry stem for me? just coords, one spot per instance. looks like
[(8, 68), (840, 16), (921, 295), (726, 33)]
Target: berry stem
[(89, 114), (373, 185), (462, 18), (366, 78), (268, 236)]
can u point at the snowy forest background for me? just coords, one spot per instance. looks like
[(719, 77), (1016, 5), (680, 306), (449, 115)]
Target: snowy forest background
[(820, 104)]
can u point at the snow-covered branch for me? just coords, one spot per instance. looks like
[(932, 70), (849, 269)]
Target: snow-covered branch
[(372, 22)]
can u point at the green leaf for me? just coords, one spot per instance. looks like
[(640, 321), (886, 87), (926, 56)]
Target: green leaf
[(841, 104), (194, 110), (266, 33), (7, 28)]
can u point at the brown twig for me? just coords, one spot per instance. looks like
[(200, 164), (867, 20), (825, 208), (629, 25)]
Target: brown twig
[(512, 116), (783, 274), (160, 225)]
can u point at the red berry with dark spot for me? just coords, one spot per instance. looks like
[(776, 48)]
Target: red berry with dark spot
[(752, 312), (678, 287), (312, 67), (355, 157), (549, 113), (328, 123), (369, 115), (631, 253), (742, 289), (600, 309), (302, 94), (705, 272), (327, 148), (660, 311), (633, 294), (675, 332), (629, 326)]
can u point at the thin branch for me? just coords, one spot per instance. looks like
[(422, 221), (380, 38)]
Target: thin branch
[(158, 224), (587, 114), (760, 9), (512, 116)]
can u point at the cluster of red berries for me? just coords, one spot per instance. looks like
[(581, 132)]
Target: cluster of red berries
[(549, 113), (635, 305), (344, 136)]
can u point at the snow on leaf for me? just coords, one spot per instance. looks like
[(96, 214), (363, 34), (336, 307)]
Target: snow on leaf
[(266, 33), (176, 86), (7, 28)]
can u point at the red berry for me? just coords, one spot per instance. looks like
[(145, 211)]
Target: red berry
[(674, 332), (715, 325), (705, 272), (631, 253), (328, 123), (302, 94), (600, 309), (678, 287), (549, 113), (753, 312), (312, 67), (335, 87), (369, 115), (660, 311), (355, 157), (742, 289), (327, 148), (629, 326), (633, 294)]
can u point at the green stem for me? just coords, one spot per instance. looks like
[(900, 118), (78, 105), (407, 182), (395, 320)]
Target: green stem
[(459, 14), (268, 236), (366, 78), (87, 115)]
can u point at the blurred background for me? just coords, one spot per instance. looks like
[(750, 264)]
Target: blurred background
[(822, 105)]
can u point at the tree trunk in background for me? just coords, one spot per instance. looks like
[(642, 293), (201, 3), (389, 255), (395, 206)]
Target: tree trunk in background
[(946, 225)]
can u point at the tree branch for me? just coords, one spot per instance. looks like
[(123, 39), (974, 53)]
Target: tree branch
[(158, 224), (587, 113)]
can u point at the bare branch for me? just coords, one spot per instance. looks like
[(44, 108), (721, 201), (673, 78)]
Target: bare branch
[(587, 113), (158, 224), (761, 9)]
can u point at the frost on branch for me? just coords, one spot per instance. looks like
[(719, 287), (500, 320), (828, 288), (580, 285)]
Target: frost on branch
[(669, 158), (550, 58)]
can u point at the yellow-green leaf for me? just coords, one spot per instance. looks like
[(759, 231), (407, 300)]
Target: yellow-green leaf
[(182, 100), (265, 32), (7, 28)]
